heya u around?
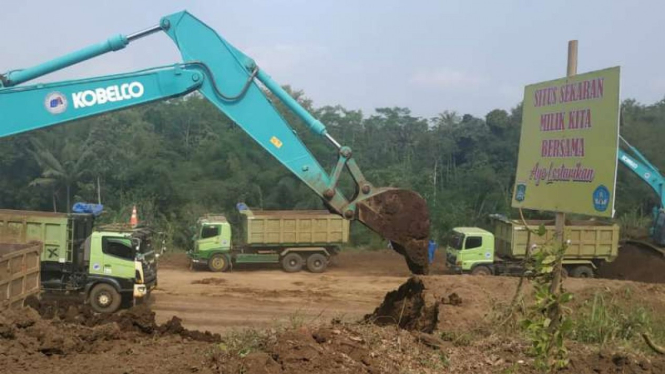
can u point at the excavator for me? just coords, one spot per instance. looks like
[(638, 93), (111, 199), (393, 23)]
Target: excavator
[(234, 84), (650, 174)]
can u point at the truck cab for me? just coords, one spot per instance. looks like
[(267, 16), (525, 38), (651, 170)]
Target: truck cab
[(123, 258), (470, 249), (212, 242)]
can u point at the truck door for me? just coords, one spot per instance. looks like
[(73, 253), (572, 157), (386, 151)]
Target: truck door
[(473, 247), (210, 237), (118, 255)]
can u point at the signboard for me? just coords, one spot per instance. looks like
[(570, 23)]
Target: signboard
[(568, 145)]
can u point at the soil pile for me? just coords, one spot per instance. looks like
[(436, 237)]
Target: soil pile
[(637, 264), (444, 303), (411, 307), (139, 319)]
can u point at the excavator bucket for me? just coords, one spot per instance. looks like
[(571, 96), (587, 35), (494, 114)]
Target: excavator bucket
[(402, 217)]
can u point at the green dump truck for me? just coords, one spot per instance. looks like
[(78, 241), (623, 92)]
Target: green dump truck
[(294, 239), (480, 252), (109, 267)]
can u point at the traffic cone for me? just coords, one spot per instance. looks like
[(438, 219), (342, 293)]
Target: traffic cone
[(135, 218)]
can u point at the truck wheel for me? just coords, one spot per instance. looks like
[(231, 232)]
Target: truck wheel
[(564, 273), (317, 263), (292, 263), (582, 271), (481, 270), (219, 263), (104, 298)]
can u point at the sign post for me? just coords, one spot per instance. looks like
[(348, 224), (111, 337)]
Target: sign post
[(560, 218)]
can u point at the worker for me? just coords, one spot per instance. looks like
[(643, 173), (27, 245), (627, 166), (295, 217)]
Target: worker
[(431, 248)]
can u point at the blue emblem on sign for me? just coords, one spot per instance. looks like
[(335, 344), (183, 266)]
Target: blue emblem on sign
[(520, 192), (96, 267), (601, 198)]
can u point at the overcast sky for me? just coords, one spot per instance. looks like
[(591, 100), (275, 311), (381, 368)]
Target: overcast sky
[(430, 56)]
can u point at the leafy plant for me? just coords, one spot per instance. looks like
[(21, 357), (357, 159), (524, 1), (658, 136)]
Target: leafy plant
[(547, 323)]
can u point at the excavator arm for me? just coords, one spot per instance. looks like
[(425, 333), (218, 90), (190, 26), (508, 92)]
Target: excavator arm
[(650, 174), (644, 170), (232, 82)]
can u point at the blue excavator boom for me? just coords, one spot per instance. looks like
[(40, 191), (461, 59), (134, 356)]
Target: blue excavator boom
[(650, 174), (233, 83)]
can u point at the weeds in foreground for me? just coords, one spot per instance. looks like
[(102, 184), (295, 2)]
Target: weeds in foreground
[(604, 320)]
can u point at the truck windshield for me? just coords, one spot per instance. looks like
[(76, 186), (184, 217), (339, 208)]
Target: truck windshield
[(456, 240)]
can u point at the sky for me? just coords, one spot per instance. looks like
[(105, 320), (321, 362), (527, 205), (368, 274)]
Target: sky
[(429, 56)]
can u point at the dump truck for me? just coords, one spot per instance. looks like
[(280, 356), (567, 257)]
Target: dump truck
[(19, 273), (479, 252), (294, 239), (109, 268)]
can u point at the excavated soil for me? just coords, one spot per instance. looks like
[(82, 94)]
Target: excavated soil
[(461, 304), (636, 264), (403, 217), (411, 307), (139, 319)]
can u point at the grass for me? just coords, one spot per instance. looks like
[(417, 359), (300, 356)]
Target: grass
[(609, 321), (458, 339), (634, 223)]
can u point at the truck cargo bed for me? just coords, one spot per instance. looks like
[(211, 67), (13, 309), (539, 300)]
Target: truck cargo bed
[(589, 240), (278, 227), (19, 273)]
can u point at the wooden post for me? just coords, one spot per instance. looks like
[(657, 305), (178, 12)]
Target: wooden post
[(560, 220)]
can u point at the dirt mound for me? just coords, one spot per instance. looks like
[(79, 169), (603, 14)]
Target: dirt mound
[(138, 319), (445, 303), (25, 333), (365, 348), (411, 307), (637, 264), (332, 349)]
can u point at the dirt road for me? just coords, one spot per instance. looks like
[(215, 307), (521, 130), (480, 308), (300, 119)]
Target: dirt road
[(260, 296)]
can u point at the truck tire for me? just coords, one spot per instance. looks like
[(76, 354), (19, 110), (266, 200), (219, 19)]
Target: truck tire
[(481, 270), (292, 263), (104, 298), (564, 273), (582, 271), (219, 263), (317, 263)]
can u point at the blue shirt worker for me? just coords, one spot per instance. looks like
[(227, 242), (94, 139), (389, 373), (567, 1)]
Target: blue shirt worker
[(431, 248)]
